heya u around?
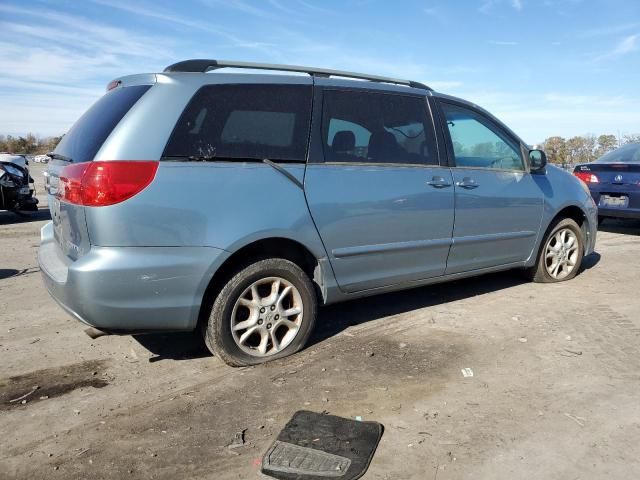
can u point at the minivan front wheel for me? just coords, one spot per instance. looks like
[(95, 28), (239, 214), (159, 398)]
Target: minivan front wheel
[(266, 311), (561, 254)]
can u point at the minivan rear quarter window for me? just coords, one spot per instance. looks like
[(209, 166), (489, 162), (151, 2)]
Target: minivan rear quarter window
[(87, 135), (250, 122)]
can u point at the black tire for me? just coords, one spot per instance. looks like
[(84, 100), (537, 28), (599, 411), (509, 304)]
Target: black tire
[(601, 220), (218, 333), (538, 273)]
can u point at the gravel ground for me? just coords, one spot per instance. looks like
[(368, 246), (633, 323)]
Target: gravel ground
[(553, 395)]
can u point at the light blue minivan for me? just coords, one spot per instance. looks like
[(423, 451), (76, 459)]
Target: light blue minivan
[(236, 203)]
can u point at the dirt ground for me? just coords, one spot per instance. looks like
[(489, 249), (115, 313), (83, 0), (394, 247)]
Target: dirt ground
[(554, 392)]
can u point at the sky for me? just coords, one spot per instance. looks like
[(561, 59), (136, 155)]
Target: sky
[(544, 67)]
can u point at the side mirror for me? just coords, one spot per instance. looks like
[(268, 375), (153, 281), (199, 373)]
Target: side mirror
[(537, 161)]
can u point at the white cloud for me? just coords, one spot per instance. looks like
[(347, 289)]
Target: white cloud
[(42, 113), (487, 5), (172, 18), (601, 31), (503, 43), (437, 13), (279, 6), (240, 6), (627, 45), (80, 30), (54, 65), (536, 116)]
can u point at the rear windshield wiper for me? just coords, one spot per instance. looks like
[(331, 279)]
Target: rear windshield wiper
[(57, 156), (211, 158)]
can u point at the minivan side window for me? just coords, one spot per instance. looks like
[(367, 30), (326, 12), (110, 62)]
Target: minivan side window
[(477, 143), (368, 127), (246, 121)]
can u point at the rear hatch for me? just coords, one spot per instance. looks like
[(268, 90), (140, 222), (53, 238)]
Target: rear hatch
[(81, 144)]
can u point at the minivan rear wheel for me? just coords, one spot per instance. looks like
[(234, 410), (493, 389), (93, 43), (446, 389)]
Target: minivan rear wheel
[(560, 256), (267, 310)]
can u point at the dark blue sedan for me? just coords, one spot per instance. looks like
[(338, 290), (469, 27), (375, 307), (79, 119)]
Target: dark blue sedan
[(614, 182)]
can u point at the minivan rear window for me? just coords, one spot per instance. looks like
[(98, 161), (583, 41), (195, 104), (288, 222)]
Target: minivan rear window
[(86, 136), (244, 122)]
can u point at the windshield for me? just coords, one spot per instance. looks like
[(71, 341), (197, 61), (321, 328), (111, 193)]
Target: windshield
[(627, 154), (87, 135)]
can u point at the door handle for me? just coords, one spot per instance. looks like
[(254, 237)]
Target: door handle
[(468, 183), (438, 182)]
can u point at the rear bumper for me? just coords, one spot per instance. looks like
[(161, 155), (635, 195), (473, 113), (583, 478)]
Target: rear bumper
[(632, 213), (130, 289)]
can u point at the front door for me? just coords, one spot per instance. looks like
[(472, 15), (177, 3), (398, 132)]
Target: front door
[(499, 206), (382, 203)]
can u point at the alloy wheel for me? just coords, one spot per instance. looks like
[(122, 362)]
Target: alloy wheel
[(267, 316), (561, 253)]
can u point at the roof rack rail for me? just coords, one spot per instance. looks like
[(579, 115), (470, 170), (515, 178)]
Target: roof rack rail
[(203, 65)]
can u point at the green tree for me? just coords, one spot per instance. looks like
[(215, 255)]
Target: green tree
[(589, 149), (575, 147), (581, 149), (556, 149), (606, 143)]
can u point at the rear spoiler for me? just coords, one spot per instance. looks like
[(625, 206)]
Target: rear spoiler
[(129, 80)]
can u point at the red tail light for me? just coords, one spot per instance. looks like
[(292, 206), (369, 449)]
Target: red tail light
[(587, 177), (98, 184)]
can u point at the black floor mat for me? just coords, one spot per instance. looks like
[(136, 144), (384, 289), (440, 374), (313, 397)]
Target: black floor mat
[(314, 446)]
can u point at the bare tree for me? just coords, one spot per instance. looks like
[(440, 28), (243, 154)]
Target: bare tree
[(631, 138), (30, 143)]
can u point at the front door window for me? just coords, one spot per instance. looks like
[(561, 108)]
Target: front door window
[(477, 143)]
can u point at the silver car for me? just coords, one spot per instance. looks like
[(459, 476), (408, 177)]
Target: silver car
[(237, 203)]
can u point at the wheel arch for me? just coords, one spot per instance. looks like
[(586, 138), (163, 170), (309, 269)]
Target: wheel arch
[(280, 247), (572, 211), (575, 213)]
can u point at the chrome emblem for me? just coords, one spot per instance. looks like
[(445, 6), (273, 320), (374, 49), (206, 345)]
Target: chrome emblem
[(618, 179)]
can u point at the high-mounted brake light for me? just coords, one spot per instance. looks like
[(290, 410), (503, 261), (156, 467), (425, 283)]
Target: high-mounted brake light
[(99, 183), (587, 177), (113, 84)]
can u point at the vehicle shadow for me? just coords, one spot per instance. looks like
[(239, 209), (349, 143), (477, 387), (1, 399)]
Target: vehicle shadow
[(12, 272), (174, 346), (10, 218), (625, 227), (590, 261), (338, 317), (8, 272)]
